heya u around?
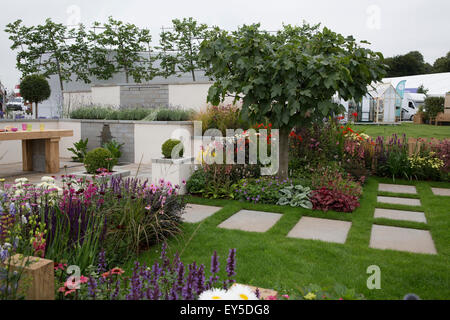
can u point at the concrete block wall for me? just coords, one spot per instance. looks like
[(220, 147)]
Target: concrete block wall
[(134, 96), (121, 131)]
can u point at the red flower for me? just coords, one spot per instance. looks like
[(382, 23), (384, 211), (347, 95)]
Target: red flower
[(355, 114)]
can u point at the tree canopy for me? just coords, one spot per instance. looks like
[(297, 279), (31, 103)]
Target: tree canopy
[(35, 88), (290, 76), (413, 63)]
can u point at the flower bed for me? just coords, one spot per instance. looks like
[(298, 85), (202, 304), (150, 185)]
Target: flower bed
[(73, 223)]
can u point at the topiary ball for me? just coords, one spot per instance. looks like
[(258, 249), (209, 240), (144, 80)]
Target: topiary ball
[(99, 158), (168, 146)]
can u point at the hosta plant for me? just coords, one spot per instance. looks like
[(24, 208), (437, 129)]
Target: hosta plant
[(295, 196)]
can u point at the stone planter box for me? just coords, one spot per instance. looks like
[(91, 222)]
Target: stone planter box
[(115, 174), (173, 170)]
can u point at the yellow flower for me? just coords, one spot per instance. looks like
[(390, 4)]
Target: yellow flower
[(310, 296)]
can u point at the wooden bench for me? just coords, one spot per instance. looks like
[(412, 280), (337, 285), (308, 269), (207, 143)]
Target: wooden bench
[(40, 149)]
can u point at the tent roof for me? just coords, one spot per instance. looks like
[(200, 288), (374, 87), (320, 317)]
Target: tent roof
[(436, 83)]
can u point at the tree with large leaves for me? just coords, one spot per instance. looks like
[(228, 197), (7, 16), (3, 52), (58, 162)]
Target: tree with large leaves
[(288, 77)]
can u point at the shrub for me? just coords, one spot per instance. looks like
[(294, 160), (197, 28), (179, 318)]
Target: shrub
[(168, 146), (325, 199), (425, 165), (197, 182), (433, 106), (35, 88), (99, 158)]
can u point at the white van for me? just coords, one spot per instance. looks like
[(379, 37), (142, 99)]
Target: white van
[(408, 108)]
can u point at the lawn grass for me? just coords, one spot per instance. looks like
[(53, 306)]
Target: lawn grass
[(410, 129), (271, 260)]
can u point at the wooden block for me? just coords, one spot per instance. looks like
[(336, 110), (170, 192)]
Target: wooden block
[(52, 155), (27, 155), (38, 277), (263, 293)]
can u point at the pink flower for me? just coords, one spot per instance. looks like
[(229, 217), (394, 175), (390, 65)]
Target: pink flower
[(271, 298)]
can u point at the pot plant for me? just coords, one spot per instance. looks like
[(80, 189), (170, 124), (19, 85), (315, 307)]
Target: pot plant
[(100, 162), (172, 167)]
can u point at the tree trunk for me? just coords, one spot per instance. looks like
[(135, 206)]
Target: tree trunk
[(193, 75), (284, 153), (36, 113)]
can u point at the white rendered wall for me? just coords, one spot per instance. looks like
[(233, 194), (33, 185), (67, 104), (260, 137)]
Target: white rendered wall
[(108, 96)]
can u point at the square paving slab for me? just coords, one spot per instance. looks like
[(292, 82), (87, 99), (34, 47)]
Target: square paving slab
[(254, 221), (441, 191), (321, 229), (397, 188), (400, 215), (402, 239), (195, 212), (395, 200)]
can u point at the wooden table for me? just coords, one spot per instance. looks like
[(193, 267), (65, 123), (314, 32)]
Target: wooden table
[(40, 149)]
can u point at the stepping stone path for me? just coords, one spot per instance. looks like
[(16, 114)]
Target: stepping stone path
[(397, 188), (253, 221), (195, 212), (396, 200), (396, 238), (321, 229), (400, 215), (441, 191), (403, 239)]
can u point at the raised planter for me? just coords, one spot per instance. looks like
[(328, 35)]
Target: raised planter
[(37, 281), (173, 170), (115, 174)]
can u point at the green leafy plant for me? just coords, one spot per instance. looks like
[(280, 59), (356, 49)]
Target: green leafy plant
[(115, 148), (99, 158), (79, 150), (35, 88), (295, 196), (197, 182), (168, 147)]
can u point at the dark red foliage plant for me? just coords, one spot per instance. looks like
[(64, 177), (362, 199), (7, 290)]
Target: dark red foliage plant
[(325, 199)]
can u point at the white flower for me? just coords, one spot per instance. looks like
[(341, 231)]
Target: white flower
[(21, 180), (240, 292), (24, 220), (213, 294), (48, 179)]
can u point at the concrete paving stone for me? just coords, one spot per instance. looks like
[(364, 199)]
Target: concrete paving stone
[(253, 221), (195, 212), (321, 229), (397, 188), (395, 200), (400, 215), (402, 239), (441, 191)]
